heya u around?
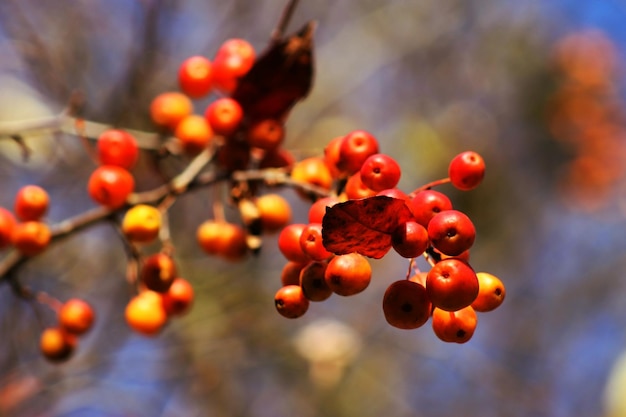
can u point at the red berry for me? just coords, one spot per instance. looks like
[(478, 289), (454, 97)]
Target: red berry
[(290, 301), (289, 243), (110, 185), (425, 204), (406, 305), (266, 134), (117, 147), (355, 148), (318, 209), (233, 60), (311, 242), (7, 224), (466, 170), (452, 284), (224, 115), (76, 316), (348, 274), (195, 76), (158, 272), (451, 232), (313, 283), (410, 239), (380, 172), (178, 298), (31, 203)]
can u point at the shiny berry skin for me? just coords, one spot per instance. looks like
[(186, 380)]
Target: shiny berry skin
[(380, 172), (31, 238), (224, 239), (406, 305), (110, 186), (289, 243), (451, 284), (233, 60), (145, 313), (158, 272), (466, 170), (266, 134), (177, 300), (117, 147), (56, 344), (76, 316), (290, 301), (348, 274), (451, 232), (356, 188), (169, 108), (454, 326), (31, 203), (425, 204), (491, 292), (313, 282), (311, 242), (355, 148), (7, 224), (195, 76), (224, 116), (410, 239), (141, 223), (194, 134), (318, 209)]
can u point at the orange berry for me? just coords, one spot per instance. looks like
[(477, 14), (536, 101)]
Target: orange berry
[(142, 223), (168, 109), (194, 133), (312, 171), (31, 238), (7, 224), (178, 298), (290, 301), (76, 316), (348, 274), (195, 76), (274, 211), (110, 186), (31, 203), (145, 313), (56, 344), (224, 239), (454, 326), (266, 134), (491, 292)]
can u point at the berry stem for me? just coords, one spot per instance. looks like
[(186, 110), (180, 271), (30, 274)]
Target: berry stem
[(430, 185)]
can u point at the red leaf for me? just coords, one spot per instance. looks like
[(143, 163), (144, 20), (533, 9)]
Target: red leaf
[(363, 225)]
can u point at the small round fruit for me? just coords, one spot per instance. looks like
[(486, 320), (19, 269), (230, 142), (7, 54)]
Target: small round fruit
[(56, 344), (233, 59), (311, 242), (7, 225), (454, 326), (224, 116), (380, 172), (355, 148), (331, 156), (451, 232), (466, 170), (117, 147), (169, 108), (266, 134), (274, 211), (289, 243), (142, 223), (318, 209), (348, 274), (177, 300), (145, 313), (31, 238), (410, 239), (31, 203), (195, 76), (158, 272), (313, 282), (425, 204), (290, 274), (491, 292), (110, 186), (76, 316), (312, 171), (224, 239), (452, 284), (356, 188), (290, 301), (194, 134), (406, 305)]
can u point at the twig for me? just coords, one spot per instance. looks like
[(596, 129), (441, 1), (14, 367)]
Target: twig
[(279, 31)]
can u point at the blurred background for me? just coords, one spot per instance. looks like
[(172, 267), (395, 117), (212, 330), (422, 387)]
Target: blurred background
[(536, 87)]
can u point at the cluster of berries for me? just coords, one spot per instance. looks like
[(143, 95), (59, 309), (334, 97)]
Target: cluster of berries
[(366, 216)]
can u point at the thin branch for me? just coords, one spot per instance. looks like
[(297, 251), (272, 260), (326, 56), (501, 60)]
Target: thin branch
[(279, 31)]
